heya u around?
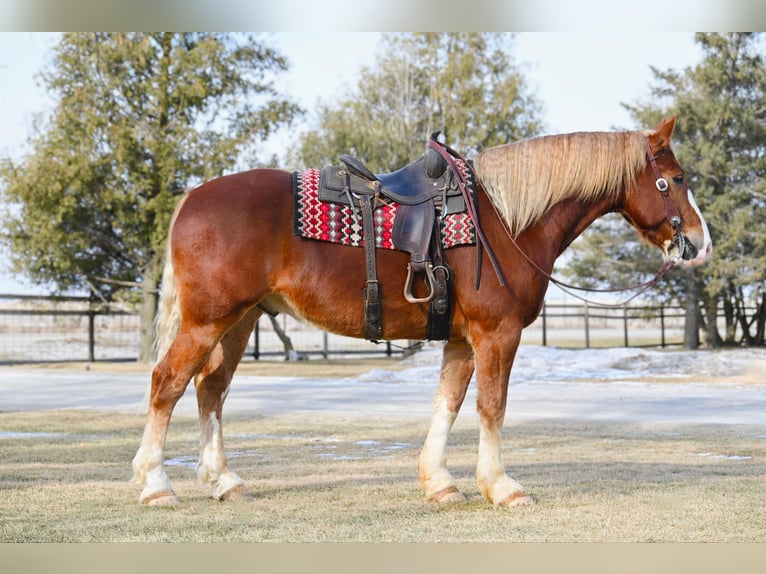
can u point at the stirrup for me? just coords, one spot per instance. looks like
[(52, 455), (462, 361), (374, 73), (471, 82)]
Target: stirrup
[(430, 280)]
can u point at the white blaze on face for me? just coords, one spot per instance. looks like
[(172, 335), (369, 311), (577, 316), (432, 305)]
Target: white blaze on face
[(707, 243)]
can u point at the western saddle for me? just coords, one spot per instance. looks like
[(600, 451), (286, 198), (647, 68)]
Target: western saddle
[(421, 188)]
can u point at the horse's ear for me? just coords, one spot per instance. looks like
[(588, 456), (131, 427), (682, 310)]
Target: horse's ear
[(663, 131)]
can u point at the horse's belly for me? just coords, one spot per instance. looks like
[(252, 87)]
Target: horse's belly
[(342, 311)]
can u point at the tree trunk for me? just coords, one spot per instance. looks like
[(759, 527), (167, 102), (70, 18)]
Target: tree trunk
[(760, 329), (692, 307), (745, 323), (729, 314), (712, 337), (149, 304), (290, 353)]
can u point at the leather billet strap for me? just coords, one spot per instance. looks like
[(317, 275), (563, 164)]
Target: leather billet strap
[(440, 308), (373, 329)]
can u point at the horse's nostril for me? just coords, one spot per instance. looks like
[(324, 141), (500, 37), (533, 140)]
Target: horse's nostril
[(690, 250)]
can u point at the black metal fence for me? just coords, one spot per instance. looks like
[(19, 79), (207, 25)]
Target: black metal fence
[(50, 329), (53, 329), (41, 328)]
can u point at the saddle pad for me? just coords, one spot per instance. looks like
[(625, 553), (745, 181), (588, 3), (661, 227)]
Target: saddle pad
[(336, 223)]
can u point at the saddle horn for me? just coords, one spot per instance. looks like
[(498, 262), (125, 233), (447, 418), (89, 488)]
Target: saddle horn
[(436, 165)]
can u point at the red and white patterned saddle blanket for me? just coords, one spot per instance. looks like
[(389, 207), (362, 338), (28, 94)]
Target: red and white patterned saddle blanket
[(336, 223)]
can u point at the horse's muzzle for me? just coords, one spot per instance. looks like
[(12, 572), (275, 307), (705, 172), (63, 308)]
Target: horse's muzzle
[(690, 254), (689, 250)]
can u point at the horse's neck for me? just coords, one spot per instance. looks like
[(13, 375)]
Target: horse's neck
[(577, 217), (560, 226)]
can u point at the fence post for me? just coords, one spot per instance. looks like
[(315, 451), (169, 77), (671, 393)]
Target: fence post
[(545, 330), (257, 340), (587, 326), (625, 324), (662, 325), (91, 328), (325, 345)]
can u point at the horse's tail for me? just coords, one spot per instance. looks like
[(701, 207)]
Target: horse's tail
[(168, 317)]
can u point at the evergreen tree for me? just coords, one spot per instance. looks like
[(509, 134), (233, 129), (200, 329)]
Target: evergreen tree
[(464, 84), (138, 119), (720, 139)]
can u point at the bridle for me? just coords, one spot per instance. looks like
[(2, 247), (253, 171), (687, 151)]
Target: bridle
[(674, 218)]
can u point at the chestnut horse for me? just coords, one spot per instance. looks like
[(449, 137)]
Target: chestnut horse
[(232, 254)]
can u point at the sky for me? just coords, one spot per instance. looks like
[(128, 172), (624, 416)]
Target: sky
[(581, 78)]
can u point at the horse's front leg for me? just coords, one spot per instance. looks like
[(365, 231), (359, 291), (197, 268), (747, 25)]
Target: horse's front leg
[(456, 371), (495, 353)]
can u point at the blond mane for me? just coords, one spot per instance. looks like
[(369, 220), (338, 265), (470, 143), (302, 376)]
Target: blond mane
[(524, 179)]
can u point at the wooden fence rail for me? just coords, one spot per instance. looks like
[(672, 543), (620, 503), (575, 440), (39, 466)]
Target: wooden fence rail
[(583, 325)]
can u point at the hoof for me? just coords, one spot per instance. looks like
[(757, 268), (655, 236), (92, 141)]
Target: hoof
[(237, 493), (162, 499), (517, 499), (448, 496)]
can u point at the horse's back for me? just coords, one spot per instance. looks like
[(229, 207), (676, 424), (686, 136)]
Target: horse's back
[(247, 190), (229, 206)]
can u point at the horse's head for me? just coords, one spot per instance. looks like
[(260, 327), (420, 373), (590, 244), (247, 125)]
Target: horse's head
[(661, 206)]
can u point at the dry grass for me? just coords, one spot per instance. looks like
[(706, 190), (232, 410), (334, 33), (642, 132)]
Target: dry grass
[(315, 368), (348, 479)]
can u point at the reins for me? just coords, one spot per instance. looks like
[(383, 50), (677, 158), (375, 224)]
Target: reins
[(449, 156), (661, 183), (568, 287)]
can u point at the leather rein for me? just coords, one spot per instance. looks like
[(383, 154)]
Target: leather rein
[(674, 218)]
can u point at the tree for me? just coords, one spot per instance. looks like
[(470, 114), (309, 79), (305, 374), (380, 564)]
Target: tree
[(138, 118), (464, 84), (720, 139)]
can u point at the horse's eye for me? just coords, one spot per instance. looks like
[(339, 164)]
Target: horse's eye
[(678, 179)]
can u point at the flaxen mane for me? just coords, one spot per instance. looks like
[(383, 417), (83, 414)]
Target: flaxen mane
[(526, 178)]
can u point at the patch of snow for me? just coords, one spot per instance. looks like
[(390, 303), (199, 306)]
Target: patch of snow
[(724, 456), (620, 384), (14, 435)]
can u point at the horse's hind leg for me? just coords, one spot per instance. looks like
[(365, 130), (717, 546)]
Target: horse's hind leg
[(212, 386), (456, 371), (170, 377)]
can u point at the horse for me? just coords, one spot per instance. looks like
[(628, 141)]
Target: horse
[(232, 255)]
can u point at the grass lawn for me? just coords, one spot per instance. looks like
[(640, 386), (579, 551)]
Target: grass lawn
[(64, 477)]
